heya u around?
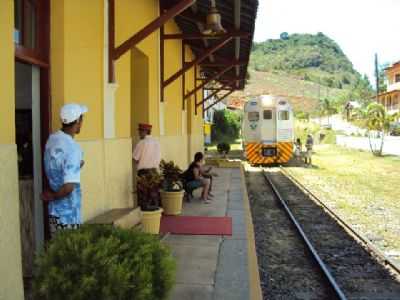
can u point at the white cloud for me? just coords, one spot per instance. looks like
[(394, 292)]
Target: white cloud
[(361, 27)]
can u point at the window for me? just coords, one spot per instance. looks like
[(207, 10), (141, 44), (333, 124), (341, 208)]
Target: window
[(397, 78), (267, 114), (25, 27), (253, 116), (283, 115)]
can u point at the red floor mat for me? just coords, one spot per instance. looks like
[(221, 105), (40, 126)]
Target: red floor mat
[(196, 225)]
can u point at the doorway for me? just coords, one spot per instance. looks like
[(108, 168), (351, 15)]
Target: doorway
[(28, 139)]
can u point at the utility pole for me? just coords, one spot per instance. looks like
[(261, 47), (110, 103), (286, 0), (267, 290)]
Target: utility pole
[(377, 77)]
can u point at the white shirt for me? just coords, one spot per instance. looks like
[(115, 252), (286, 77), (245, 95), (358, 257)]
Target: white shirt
[(147, 153)]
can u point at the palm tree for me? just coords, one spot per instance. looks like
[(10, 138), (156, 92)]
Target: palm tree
[(377, 121), (327, 109)]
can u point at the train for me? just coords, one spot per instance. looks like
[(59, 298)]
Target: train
[(268, 130)]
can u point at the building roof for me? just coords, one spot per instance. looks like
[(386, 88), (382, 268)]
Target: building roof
[(394, 65), (235, 103), (236, 16), (389, 93)]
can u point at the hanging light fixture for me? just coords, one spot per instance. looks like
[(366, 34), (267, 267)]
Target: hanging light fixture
[(213, 24)]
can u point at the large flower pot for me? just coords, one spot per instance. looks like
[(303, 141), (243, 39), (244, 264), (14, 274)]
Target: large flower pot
[(151, 221), (172, 202)]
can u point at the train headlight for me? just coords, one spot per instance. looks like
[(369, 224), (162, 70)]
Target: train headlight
[(266, 101)]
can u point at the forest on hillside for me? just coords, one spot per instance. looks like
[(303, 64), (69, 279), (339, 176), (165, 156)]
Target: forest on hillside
[(311, 57)]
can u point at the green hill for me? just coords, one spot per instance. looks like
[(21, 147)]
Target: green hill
[(310, 57), (307, 69)]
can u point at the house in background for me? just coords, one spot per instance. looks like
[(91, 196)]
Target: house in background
[(391, 98)]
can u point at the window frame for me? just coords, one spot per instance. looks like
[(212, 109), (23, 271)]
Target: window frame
[(253, 112), (270, 112), (38, 54), (286, 112)]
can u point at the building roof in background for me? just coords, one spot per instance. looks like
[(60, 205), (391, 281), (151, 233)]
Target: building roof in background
[(235, 103)]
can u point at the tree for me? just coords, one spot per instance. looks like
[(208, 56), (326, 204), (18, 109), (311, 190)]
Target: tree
[(284, 36), (327, 108), (377, 121), (382, 77)]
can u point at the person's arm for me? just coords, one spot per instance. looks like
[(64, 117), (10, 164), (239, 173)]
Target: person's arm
[(71, 176), (196, 173), (65, 190), (137, 153)]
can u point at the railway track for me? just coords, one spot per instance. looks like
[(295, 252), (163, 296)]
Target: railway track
[(299, 241)]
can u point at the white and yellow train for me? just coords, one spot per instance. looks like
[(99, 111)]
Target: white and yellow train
[(268, 130)]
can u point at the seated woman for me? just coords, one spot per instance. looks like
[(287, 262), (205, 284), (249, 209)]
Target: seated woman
[(195, 177)]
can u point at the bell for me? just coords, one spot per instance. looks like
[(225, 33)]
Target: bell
[(213, 22)]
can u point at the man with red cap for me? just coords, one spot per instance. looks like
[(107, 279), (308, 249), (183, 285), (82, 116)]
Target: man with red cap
[(147, 154)]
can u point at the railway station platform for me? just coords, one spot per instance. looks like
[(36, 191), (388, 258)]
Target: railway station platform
[(214, 266)]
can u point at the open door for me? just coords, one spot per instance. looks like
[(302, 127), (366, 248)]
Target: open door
[(28, 138)]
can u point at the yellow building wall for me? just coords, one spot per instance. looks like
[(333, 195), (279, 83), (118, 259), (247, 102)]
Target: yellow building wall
[(10, 244), (130, 17), (77, 61), (142, 65), (7, 107), (77, 58)]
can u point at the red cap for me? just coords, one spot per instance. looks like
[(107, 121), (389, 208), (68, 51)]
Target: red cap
[(144, 126)]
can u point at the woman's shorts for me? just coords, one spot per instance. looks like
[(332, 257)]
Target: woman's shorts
[(192, 185)]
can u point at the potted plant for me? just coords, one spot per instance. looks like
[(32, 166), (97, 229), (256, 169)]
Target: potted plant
[(148, 191), (172, 188)]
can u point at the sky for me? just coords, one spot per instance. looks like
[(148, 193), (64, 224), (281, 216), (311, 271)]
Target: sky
[(360, 27)]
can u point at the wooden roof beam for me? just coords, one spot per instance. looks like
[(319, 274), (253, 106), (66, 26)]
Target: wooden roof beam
[(198, 36), (198, 59), (219, 63), (208, 80), (216, 91), (151, 27), (219, 100)]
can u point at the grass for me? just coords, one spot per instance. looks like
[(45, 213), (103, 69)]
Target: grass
[(363, 189), (236, 149), (303, 128), (237, 145)]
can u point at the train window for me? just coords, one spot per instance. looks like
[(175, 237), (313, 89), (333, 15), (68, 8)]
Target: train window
[(283, 115), (253, 116), (267, 114)]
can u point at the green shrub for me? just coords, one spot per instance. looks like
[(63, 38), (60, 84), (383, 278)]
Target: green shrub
[(226, 126), (103, 262), (223, 148)]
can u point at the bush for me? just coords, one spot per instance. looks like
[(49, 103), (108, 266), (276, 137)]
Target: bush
[(226, 126), (223, 148), (104, 262)]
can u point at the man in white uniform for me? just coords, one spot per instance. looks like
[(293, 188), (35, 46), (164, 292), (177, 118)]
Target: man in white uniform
[(147, 153)]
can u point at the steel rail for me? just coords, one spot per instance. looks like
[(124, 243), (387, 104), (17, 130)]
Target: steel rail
[(310, 247), (360, 236)]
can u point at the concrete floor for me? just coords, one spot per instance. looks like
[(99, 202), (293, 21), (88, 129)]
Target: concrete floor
[(214, 267)]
